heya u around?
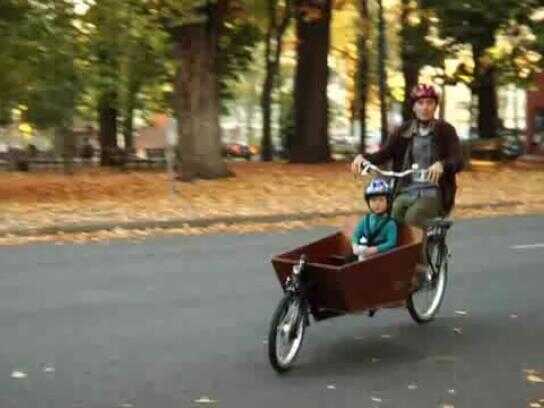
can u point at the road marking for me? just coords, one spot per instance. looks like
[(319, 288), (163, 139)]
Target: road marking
[(528, 246)]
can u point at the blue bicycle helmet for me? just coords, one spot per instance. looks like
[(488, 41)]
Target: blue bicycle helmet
[(377, 187)]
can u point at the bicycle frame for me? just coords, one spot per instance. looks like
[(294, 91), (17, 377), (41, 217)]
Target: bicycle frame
[(436, 235)]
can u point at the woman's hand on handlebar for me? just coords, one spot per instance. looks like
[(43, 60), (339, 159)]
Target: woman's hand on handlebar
[(357, 164), (435, 172)]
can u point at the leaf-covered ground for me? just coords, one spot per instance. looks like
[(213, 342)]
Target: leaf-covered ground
[(95, 195)]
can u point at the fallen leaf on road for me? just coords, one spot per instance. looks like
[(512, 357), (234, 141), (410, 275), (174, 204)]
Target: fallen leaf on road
[(445, 359), (533, 378), (461, 312), (205, 400), (18, 374)]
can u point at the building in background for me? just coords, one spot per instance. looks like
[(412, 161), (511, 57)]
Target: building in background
[(535, 117)]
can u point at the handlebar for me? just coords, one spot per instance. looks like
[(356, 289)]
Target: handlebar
[(419, 174)]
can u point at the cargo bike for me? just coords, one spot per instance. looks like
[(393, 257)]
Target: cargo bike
[(323, 279)]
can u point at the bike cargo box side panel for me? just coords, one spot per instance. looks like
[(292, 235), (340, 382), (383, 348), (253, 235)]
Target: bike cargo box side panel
[(383, 280)]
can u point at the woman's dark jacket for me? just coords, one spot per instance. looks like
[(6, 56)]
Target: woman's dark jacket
[(446, 148)]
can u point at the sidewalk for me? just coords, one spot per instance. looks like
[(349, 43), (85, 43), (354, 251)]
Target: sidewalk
[(48, 204)]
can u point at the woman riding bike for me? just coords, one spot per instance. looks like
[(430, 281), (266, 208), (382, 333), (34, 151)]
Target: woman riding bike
[(430, 144)]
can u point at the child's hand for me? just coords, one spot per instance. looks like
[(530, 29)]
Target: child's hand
[(358, 249), (371, 251)]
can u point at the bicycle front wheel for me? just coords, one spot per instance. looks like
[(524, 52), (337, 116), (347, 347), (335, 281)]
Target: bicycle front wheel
[(286, 332), (423, 304)]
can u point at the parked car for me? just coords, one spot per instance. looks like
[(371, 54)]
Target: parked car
[(508, 144), (279, 151), (237, 150), (513, 143)]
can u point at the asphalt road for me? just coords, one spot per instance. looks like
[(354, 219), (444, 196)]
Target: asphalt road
[(166, 322)]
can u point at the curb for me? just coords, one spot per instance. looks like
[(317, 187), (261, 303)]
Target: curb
[(204, 222), (168, 224)]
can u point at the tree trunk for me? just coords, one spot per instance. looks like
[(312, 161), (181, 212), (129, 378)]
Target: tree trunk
[(266, 102), (410, 36), (197, 101), (272, 64), (68, 148), (128, 121), (382, 61), (310, 144), (442, 103), (250, 115), (411, 74), (286, 123), (128, 124), (65, 146), (488, 117), (107, 117), (266, 96), (363, 68)]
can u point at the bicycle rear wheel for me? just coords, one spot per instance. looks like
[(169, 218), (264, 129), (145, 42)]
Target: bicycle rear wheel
[(424, 303)]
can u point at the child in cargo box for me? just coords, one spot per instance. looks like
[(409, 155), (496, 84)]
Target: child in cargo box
[(377, 231)]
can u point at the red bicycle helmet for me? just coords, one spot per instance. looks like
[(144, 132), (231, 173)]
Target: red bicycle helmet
[(423, 91)]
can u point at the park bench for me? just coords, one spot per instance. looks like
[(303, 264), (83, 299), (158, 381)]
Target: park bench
[(154, 158), (157, 156), (490, 149)]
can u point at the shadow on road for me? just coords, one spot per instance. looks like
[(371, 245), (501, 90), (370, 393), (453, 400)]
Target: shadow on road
[(441, 343)]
